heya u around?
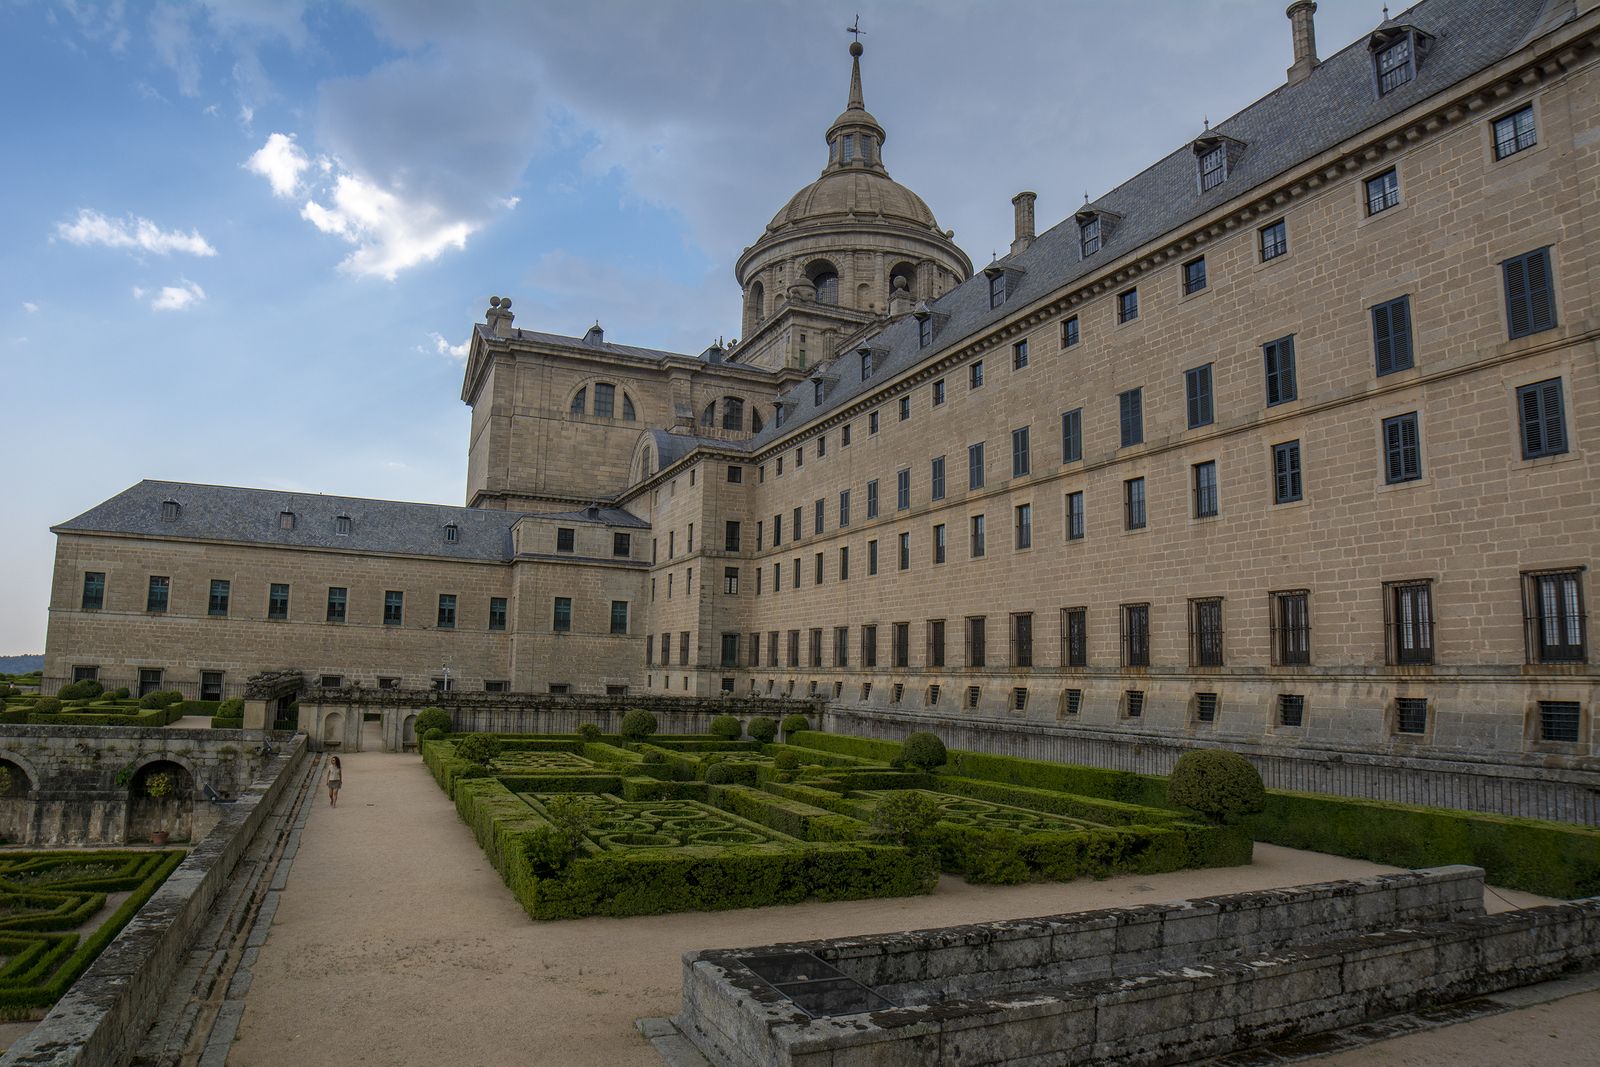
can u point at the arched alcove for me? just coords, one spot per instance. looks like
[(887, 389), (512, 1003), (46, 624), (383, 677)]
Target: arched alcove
[(16, 802), (161, 797), (824, 276), (333, 729)]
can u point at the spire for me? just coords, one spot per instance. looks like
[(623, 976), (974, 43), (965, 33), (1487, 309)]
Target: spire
[(855, 103), (855, 138)]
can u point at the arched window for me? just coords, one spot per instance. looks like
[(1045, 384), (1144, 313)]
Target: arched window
[(758, 300), (605, 400), (708, 417), (849, 147), (579, 400), (732, 413), (826, 280), (627, 408), (755, 420)]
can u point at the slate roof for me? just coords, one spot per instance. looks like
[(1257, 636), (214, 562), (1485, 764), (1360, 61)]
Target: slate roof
[(602, 517), (229, 513), (1291, 124)]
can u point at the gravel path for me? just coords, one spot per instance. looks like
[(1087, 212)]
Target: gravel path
[(396, 943)]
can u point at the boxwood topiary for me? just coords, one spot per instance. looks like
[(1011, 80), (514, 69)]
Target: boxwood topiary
[(433, 719), (923, 751), (231, 709), (762, 729), (435, 734), (162, 698), (84, 689), (721, 773), (1217, 783), (46, 706), (589, 732), (478, 748), (637, 725), (727, 728), (793, 723), (121, 693), (786, 761)]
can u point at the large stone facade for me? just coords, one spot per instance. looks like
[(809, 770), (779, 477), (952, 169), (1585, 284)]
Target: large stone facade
[(1388, 554)]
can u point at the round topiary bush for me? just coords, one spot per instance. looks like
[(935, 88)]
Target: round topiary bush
[(46, 706), (721, 773), (478, 748), (637, 725), (435, 734), (85, 689), (589, 732), (120, 694), (905, 817), (923, 751), (433, 719), (786, 761), (727, 728), (793, 723), (1217, 783), (231, 709), (162, 698), (762, 729)]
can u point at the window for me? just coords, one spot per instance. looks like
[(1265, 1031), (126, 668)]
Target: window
[(285, 520), (732, 419), (605, 400), (777, 534), (936, 480), (817, 392), (1072, 435), (1074, 637), (94, 590), (338, 599), (211, 685), (1514, 133), (975, 466), (170, 510), (149, 680), (933, 695), (973, 692), (902, 490), (689, 546), (1530, 296), (735, 473), (938, 543), (1019, 354), (1205, 632), (394, 607), (683, 648), (1402, 452), (869, 646), (1133, 512), (1089, 235), (872, 423), (936, 642), (1408, 618), (1021, 462), (341, 525), (452, 533), (1194, 276), (872, 499), (1274, 240), (1391, 335), (905, 551), (844, 508), (1024, 525), (1286, 486), (1383, 191), (1022, 639), (977, 538), (902, 644), (1544, 424), (977, 653), (1213, 168), (1560, 720), (1197, 395), (277, 601), (872, 557), (447, 611), (925, 331), (158, 595), (844, 563), (1075, 516), (731, 536), (1411, 715), (1291, 709), (796, 565), (1133, 703), (975, 375), (844, 436), (1278, 357), (1019, 699), (997, 289), (580, 401), (1131, 413), (220, 593), (1136, 635), (566, 541), (1069, 332), (1395, 67), (1128, 305), (1205, 489), (497, 613), (816, 575), (1553, 617), (841, 646), (816, 518), (905, 408), (816, 648), (1071, 702), (730, 581), (1205, 707), (1291, 628)]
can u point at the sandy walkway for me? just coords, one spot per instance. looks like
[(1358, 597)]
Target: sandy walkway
[(397, 943)]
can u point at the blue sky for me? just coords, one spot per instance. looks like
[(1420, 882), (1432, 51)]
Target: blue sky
[(244, 242)]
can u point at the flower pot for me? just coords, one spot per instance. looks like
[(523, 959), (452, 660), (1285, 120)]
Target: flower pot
[(158, 837)]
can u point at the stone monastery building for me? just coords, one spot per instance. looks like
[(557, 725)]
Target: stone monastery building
[(1291, 439)]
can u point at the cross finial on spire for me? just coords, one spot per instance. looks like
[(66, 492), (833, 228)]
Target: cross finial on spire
[(856, 29), (1385, 13), (1207, 120), (855, 103)]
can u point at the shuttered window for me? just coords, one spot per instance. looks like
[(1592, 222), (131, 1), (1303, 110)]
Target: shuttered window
[(1530, 294), (1197, 392), (1402, 451), (1286, 486), (1131, 405), (1072, 435), (1279, 358), (1544, 424), (1391, 335)]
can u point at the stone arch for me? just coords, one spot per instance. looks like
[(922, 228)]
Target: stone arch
[(16, 801), (907, 270), (408, 732), (824, 277), (23, 764), (586, 397), (333, 729), (755, 306), (173, 813)]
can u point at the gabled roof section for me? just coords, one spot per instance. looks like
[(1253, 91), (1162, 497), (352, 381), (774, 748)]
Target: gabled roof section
[(598, 517), (251, 516)]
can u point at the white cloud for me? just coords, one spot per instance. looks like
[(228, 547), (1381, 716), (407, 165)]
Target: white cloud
[(390, 233), (210, 109), (445, 348), (280, 161), (247, 115), (29, 306), (173, 41), (93, 228), (175, 297)]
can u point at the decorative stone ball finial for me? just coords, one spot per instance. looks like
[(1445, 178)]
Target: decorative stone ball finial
[(494, 301), (505, 303), (856, 49), (900, 283)]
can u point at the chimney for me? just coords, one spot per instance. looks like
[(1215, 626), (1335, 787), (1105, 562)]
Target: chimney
[(1305, 39), (1023, 203), (499, 316)]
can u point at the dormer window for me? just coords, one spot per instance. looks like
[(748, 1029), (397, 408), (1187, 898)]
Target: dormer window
[(169, 510), (1095, 226), (1089, 235), (1215, 157), (866, 363), (341, 525), (285, 520), (925, 331), (818, 391), (1395, 66), (1214, 168), (452, 533), (997, 289)]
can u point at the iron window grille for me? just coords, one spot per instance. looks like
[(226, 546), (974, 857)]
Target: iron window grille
[(1402, 450), (1194, 274), (1133, 509), (1022, 639), (1019, 354), (1072, 702), (1019, 699), (1411, 715), (1514, 133), (1205, 489), (1069, 332), (938, 393), (977, 654), (933, 695), (978, 538), (1135, 635), (1560, 720), (1291, 709), (1383, 191), (973, 693), (872, 423), (1133, 703), (1074, 637), (1553, 620), (1205, 707), (1128, 305), (936, 642), (1205, 632), (866, 691), (1291, 628), (566, 540), (1274, 240), (1075, 516), (905, 408), (1408, 622)]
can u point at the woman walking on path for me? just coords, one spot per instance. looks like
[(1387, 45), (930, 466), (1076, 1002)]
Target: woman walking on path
[(335, 779)]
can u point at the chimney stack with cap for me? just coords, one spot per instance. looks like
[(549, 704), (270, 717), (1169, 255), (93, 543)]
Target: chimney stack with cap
[(1305, 39), (499, 316), (1023, 203)]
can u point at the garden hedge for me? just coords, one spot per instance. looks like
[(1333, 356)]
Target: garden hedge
[(792, 817)]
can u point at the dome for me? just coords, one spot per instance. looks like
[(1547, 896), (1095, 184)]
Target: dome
[(840, 194)]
